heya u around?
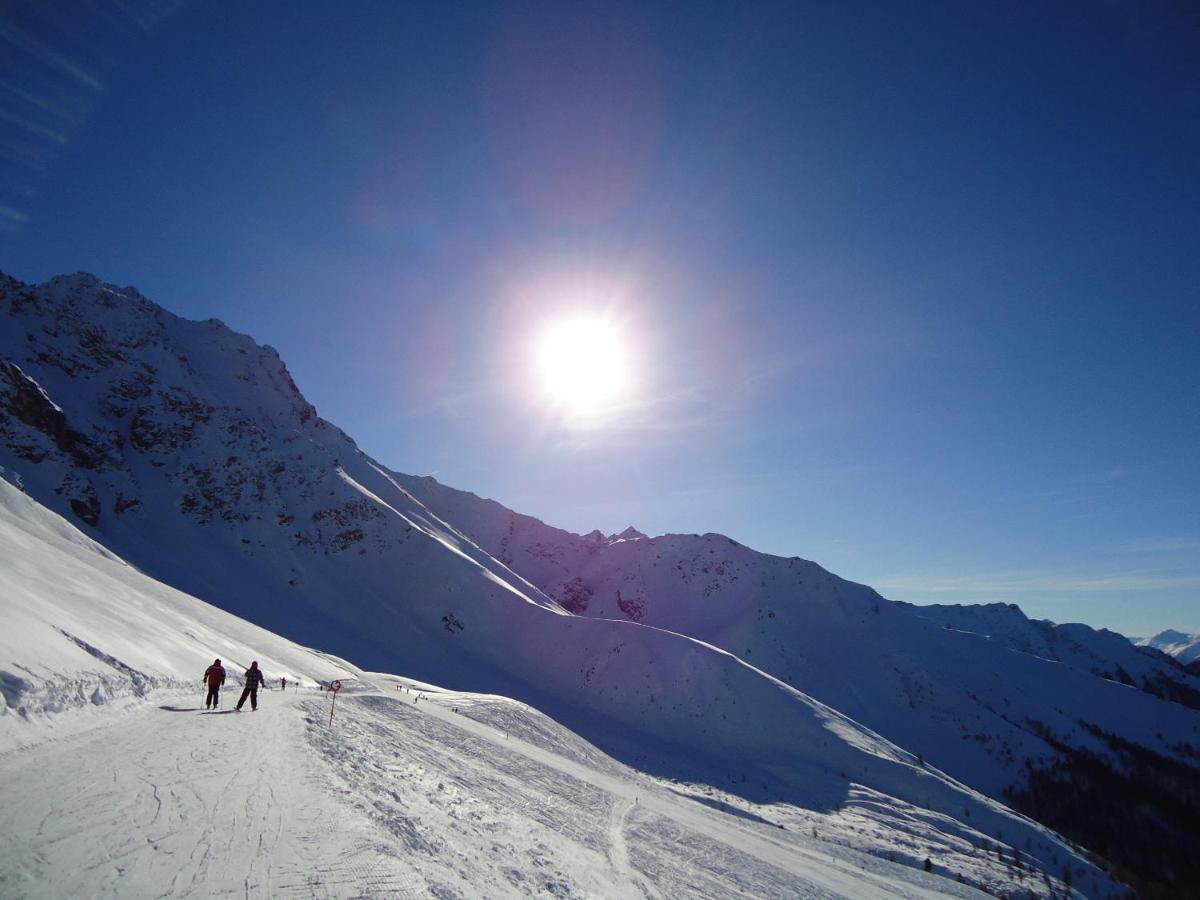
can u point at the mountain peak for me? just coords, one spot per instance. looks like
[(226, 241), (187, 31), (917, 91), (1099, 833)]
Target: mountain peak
[(1179, 644), (75, 278), (629, 534), (1171, 636)]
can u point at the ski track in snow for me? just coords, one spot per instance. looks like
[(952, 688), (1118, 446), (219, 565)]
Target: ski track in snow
[(618, 853), (652, 842), (180, 802), (401, 798)]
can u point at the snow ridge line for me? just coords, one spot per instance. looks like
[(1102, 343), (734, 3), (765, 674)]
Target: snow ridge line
[(30, 695), (139, 680)]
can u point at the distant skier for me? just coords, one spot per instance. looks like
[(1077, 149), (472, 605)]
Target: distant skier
[(254, 679), (214, 677), (283, 684)]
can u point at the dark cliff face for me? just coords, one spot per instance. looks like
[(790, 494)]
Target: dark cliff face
[(102, 401), (22, 399)]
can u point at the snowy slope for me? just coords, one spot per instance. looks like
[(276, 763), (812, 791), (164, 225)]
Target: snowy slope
[(1184, 647), (957, 684), (87, 633), (140, 424), (125, 787)]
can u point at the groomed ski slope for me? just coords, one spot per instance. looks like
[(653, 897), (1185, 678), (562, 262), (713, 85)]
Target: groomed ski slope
[(400, 798), (116, 783)]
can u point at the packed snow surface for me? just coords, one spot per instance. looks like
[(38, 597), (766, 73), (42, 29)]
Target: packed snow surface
[(398, 798)]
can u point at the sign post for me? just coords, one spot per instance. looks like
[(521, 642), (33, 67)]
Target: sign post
[(335, 687)]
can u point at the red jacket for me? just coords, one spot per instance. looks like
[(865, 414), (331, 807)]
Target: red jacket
[(214, 675)]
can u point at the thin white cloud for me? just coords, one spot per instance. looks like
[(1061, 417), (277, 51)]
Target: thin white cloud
[(1039, 581), (37, 128), (1104, 476), (47, 55), (1177, 544)]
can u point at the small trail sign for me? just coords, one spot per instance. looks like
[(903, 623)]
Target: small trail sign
[(333, 688)]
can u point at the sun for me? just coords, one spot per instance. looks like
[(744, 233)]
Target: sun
[(583, 367)]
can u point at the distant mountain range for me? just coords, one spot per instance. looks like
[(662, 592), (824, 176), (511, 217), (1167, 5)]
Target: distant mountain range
[(1184, 647), (188, 450)]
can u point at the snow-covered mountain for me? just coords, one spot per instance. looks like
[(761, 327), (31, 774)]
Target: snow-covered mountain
[(959, 684), (186, 449), (1184, 647), (458, 795)]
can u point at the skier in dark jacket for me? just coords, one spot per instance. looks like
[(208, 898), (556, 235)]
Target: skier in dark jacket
[(254, 678), (214, 677)]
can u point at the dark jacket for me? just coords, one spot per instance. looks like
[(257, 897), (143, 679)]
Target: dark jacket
[(214, 675), (254, 678)]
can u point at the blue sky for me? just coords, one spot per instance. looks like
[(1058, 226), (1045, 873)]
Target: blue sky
[(912, 292)]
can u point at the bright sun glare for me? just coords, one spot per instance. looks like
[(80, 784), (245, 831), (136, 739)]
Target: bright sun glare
[(583, 364)]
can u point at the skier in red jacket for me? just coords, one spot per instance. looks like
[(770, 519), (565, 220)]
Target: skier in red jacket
[(214, 677)]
